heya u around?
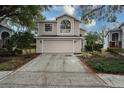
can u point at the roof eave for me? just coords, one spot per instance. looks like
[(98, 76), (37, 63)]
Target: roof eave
[(7, 28), (69, 16), (48, 37), (49, 21), (121, 25), (82, 29)]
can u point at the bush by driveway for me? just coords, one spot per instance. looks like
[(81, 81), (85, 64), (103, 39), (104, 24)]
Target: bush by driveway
[(102, 64)]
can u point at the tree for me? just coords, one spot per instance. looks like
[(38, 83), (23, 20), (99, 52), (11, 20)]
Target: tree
[(91, 38), (93, 41), (21, 40), (101, 12), (25, 39), (25, 15), (12, 43)]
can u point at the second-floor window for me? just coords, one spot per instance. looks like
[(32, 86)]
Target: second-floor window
[(48, 27), (65, 26)]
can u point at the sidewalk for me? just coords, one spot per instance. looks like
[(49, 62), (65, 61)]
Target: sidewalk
[(113, 80)]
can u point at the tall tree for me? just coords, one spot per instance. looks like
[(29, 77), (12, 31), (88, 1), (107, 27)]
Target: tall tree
[(25, 15), (101, 12)]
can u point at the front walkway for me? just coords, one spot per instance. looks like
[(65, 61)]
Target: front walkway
[(113, 80), (53, 70)]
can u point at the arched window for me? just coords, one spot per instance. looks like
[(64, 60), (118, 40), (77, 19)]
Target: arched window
[(5, 35), (5, 38), (65, 26)]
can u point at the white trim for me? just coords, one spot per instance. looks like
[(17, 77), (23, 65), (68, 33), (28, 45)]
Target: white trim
[(73, 46), (10, 33), (65, 32), (58, 27), (58, 37), (42, 46), (48, 31), (122, 37), (38, 28), (81, 44), (114, 33), (73, 29)]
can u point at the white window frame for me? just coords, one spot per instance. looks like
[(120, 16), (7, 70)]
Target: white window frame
[(72, 27), (118, 35), (45, 27)]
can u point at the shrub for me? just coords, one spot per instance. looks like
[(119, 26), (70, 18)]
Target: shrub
[(88, 48), (4, 52), (107, 65), (116, 50), (96, 47), (86, 55), (18, 51)]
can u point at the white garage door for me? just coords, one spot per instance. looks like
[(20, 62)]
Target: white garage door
[(54, 46)]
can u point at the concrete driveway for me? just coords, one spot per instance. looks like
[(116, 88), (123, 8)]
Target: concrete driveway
[(53, 70)]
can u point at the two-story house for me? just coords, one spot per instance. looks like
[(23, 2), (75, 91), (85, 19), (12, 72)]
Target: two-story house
[(62, 35)]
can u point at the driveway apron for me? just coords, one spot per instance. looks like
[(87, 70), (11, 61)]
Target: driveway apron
[(53, 70)]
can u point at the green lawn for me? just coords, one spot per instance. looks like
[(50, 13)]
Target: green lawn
[(114, 65)]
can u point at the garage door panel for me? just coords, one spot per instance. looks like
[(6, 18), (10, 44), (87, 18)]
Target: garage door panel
[(54, 46)]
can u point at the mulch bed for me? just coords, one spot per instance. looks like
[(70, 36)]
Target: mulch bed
[(14, 62)]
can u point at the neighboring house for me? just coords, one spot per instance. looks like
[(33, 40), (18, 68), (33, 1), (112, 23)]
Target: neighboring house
[(62, 35), (5, 33), (114, 38)]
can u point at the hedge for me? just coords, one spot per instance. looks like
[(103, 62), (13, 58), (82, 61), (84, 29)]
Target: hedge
[(96, 47), (116, 50)]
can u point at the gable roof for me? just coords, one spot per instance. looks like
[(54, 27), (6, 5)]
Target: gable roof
[(47, 21), (121, 25), (116, 29), (81, 29), (68, 16), (54, 21), (6, 27)]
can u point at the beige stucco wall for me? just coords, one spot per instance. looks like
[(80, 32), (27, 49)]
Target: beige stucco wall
[(77, 46), (41, 28), (39, 46), (76, 28), (82, 32)]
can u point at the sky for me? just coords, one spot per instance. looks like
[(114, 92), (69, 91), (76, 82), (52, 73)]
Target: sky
[(96, 25)]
